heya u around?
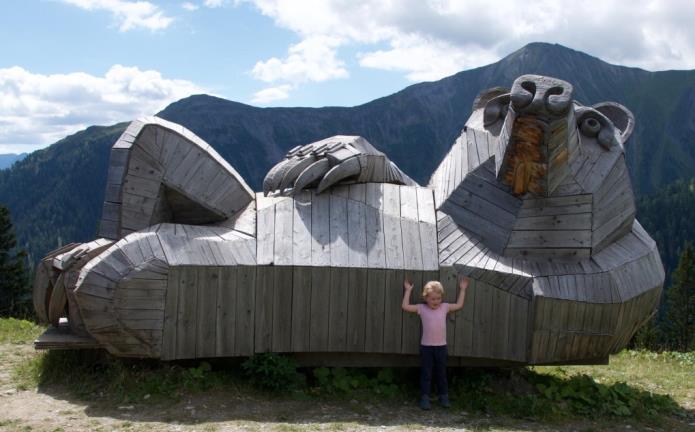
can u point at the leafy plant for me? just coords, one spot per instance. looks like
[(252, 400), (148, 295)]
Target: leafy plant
[(343, 381), (270, 371)]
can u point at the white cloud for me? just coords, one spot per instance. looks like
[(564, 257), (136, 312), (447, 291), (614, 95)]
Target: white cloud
[(128, 14), (430, 39), (189, 6), (37, 110), (272, 94), (424, 60), (213, 3), (313, 59)]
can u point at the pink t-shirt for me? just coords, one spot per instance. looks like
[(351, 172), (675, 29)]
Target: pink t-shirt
[(433, 324)]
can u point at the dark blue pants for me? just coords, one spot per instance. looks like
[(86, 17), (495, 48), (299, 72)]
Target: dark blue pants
[(433, 360)]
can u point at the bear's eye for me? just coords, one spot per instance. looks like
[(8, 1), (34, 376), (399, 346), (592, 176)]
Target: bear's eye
[(590, 127)]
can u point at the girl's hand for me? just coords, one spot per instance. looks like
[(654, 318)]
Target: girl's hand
[(407, 284), (463, 283)]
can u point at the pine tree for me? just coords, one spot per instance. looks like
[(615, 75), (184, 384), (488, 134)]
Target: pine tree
[(680, 301), (14, 290)]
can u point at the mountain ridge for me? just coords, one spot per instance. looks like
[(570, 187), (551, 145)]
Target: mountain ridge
[(67, 179)]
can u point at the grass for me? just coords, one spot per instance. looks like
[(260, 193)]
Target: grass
[(15, 331), (638, 387), (667, 373)]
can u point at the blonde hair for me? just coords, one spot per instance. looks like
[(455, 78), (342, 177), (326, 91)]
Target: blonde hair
[(432, 286)]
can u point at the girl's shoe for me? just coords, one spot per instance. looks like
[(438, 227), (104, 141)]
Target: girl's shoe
[(444, 401), (425, 403)]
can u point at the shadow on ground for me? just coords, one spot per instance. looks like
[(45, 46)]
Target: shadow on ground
[(180, 393)]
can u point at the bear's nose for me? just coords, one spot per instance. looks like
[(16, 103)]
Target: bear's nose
[(536, 94)]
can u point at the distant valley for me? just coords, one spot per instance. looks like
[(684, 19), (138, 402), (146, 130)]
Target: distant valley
[(6, 160)]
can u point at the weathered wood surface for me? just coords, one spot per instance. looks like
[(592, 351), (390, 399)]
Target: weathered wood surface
[(357, 226), (540, 217), (161, 172), (62, 337)]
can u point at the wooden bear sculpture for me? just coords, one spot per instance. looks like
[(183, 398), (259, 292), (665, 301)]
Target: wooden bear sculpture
[(533, 202)]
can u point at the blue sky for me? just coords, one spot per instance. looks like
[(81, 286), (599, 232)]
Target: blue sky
[(69, 64)]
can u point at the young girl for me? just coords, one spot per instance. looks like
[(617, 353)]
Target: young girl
[(433, 343)]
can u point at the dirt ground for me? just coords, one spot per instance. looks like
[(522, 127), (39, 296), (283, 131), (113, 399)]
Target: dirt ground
[(52, 409)]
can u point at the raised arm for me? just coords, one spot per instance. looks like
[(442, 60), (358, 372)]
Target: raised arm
[(463, 284), (407, 289)]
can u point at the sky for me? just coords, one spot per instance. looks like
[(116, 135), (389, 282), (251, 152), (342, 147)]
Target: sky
[(69, 64)]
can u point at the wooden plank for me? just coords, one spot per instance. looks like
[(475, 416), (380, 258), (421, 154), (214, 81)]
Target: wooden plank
[(375, 312), (481, 144), (301, 230), (456, 169), (581, 221), (555, 210), (472, 148), (448, 181), (411, 332), (392, 311), (338, 231), (320, 230), (178, 170), (462, 155), (357, 309), (492, 191), (393, 241), (376, 247), (412, 247), (186, 313), (550, 239), (615, 228), (492, 234), (198, 183), (374, 195), (408, 202), (618, 199), (342, 191), (58, 301), (463, 254), (501, 317), (481, 206), (245, 307), (301, 309), (357, 234), (282, 310), (266, 236), (483, 320), (453, 246), (320, 307), (425, 206), (557, 323), (144, 166), (518, 325), (358, 192), (449, 280), (263, 316), (337, 315), (225, 315), (428, 243), (283, 233)]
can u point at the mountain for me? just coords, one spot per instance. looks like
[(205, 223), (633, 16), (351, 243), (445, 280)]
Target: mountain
[(667, 215), (6, 160), (55, 194)]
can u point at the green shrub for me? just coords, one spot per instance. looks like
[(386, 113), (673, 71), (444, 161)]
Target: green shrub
[(270, 371), (523, 393), (347, 380), (585, 397)]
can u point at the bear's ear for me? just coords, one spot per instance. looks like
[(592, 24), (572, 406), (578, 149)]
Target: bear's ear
[(485, 96), (621, 117)]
